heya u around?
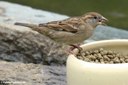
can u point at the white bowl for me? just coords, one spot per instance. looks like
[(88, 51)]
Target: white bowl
[(85, 73)]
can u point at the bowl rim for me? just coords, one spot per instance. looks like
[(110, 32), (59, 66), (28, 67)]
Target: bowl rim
[(98, 42), (106, 41)]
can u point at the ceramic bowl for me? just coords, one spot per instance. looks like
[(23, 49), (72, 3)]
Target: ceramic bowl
[(86, 73)]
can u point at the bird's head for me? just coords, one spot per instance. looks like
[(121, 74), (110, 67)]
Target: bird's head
[(94, 19)]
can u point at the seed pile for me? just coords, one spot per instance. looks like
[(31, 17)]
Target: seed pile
[(103, 56)]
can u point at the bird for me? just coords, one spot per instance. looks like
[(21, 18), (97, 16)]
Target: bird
[(70, 31)]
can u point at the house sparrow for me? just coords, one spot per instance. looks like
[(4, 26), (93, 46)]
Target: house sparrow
[(69, 31)]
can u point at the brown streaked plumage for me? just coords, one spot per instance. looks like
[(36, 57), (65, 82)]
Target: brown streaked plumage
[(69, 31)]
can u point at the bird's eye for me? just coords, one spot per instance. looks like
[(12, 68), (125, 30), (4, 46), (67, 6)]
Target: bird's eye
[(95, 17)]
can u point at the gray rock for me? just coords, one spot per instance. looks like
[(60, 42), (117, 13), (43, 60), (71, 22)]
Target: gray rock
[(24, 45), (107, 32), (11, 13), (31, 46), (55, 75), (31, 74), (21, 44)]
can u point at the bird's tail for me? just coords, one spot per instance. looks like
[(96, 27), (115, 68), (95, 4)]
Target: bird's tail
[(32, 26), (42, 30)]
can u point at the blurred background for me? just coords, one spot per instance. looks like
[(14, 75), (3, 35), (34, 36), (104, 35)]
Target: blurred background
[(115, 10)]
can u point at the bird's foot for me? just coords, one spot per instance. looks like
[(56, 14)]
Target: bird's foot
[(74, 47)]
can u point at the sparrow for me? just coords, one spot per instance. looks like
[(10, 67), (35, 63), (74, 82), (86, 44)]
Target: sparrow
[(70, 31)]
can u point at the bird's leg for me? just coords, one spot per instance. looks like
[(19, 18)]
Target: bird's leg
[(74, 47)]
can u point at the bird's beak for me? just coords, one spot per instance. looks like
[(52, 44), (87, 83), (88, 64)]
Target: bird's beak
[(103, 21)]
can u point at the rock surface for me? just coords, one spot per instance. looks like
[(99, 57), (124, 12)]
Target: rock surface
[(31, 46), (22, 44), (107, 32), (30, 49), (31, 74)]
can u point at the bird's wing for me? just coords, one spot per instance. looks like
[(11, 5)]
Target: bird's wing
[(69, 25)]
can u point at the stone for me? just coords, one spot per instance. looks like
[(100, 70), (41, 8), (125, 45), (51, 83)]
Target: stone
[(107, 33), (27, 55), (21, 43), (31, 74)]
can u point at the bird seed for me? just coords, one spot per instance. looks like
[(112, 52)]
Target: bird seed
[(102, 56)]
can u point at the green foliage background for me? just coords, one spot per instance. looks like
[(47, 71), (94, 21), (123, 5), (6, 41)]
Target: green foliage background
[(115, 10)]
